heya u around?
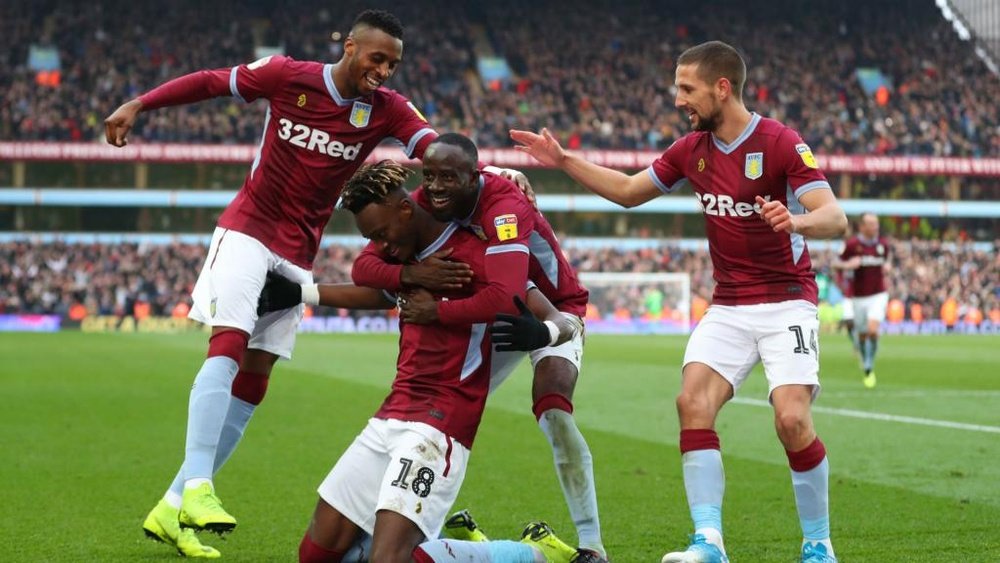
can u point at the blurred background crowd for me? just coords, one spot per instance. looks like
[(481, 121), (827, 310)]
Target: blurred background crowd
[(929, 279), (599, 75)]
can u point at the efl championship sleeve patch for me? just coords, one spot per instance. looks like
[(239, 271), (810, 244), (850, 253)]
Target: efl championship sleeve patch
[(806, 154), (506, 226), (416, 111)]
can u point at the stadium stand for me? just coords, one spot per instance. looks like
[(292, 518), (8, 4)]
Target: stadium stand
[(599, 75)]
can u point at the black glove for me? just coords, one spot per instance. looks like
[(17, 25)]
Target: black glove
[(279, 293), (521, 333)]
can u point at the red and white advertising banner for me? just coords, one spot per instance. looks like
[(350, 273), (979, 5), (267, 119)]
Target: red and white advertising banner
[(506, 157)]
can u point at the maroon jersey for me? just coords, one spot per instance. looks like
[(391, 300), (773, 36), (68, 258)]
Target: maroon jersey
[(313, 141), (869, 278), (503, 216), (845, 282), (443, 370), (752, 263)]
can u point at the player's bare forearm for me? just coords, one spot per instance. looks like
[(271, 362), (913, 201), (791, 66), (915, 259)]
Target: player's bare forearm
[(544, 310), (825, 221), (350, 296), (612, 185)]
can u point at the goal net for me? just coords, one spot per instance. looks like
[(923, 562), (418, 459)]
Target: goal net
[(645, 303)]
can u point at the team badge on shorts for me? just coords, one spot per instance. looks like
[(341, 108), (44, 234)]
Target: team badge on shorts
[(807, 155), (360, 114), (212, 306), (506, 226), (753, 168)]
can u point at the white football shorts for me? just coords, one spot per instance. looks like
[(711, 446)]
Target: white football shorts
[(504, 363), (228, 287), (870, 308), (732, 339), (847, 309), (410, 468)]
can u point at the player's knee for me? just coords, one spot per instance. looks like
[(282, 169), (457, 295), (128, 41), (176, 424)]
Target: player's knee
[(690, 405), (228, 343), (554, 375), (250, 387), (792, 425)]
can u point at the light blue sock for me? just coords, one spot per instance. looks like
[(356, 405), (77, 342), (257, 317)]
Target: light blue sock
[(237, 419), (236, 423), (575, 469), (359, 552), (207, 410), (705, 483), (503, 551), (869, 353), (812, 501)]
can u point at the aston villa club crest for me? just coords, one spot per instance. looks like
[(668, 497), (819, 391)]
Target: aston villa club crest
[(753, 168), (360, 114)]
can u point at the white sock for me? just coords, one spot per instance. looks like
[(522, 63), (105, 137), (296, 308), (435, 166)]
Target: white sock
[(207, 408), (575, 469)]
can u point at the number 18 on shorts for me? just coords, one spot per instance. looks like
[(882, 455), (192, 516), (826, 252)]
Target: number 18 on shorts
[(407, 467)]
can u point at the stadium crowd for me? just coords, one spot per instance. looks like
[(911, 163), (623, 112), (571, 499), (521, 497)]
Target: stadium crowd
[(599, 75), (929, 278)]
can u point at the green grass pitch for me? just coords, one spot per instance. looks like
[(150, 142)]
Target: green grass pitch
[(92, 429)]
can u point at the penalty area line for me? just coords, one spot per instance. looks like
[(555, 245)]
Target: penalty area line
[(881, 416)]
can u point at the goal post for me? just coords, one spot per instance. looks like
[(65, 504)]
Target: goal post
[(643, 303)]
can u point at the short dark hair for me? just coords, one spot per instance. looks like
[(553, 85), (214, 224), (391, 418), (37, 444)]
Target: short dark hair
[(462, 142), (373, 183), (380, 19), (716, 60)]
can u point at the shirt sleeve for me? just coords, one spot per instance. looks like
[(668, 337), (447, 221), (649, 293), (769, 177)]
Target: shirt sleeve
[(667, 172), (259, 79), (799, 164), (244, 82), (847, 251), (410, 128), (371, 269), (507, 225)]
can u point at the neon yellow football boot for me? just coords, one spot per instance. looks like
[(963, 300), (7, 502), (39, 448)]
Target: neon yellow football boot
[(202, 510), (461, 526), (540, 536), (161, 525)]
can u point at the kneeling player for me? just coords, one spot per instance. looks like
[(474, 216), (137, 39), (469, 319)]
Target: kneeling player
[(403, 472)]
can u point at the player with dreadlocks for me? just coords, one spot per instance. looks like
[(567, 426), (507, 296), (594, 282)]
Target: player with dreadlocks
[(401, 475)]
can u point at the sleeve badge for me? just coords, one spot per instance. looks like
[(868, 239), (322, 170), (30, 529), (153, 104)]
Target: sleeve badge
[(506, 226), (806, 154)]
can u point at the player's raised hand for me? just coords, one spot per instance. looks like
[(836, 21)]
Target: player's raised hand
[(417, 306), (119, 123), (522, 332), (542, 147), (279, 293), (777, 215), (437, 273)]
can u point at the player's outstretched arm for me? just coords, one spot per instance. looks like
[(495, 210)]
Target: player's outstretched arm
[(612, 185), (825, 218), (281, 293), (525, 331)]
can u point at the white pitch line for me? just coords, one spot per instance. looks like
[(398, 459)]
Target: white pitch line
[(882, 416)]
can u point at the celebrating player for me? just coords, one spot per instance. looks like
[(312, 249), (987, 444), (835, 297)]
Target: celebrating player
[(749, 173), (399, 478), (496, 211), (866, 257), (323, 120)]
